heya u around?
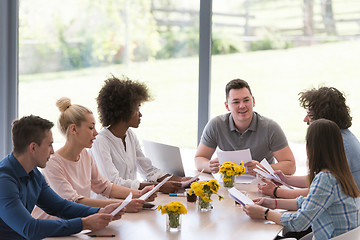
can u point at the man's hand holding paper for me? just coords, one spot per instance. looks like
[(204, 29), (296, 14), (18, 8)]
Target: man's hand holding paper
[(250, 166), (214, 165)]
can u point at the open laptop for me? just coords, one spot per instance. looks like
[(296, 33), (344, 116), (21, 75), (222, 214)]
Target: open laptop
[(165, 157)]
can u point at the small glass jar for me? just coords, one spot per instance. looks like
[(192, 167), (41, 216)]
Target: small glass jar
[(228, 180), (173, 222), (203, 205)]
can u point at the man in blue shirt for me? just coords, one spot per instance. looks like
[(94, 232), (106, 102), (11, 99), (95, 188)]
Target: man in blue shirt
[(22, 186)]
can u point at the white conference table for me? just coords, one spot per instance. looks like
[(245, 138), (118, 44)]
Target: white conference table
[(225, 220)]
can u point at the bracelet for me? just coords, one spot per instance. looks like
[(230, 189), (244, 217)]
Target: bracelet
[(266, 213), (274, 192), (275, 203)]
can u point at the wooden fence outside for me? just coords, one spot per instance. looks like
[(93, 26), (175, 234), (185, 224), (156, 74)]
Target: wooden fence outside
[(317, 21)]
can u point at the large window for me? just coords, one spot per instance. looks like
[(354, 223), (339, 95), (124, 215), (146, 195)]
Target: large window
[(68, 48), (282, 48)]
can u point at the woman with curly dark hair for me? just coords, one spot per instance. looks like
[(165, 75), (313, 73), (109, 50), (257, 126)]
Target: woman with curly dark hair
[(117, 151)]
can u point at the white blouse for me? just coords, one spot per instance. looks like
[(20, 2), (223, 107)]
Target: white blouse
[(121, 166)]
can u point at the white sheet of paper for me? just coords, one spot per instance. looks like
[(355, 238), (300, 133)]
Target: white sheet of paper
[(234, 156), (183, 184), (263, 173), (247, 179), (267, 166), (268, 176), (149, 193), (240, 197), (123, 204)]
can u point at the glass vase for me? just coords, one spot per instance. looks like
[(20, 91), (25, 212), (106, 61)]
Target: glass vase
[(173, 222), (228, 180), (190, 198), (203, 205)]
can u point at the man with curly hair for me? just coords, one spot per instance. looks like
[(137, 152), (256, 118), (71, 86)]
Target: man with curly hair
[(116, 150), (328, 103)]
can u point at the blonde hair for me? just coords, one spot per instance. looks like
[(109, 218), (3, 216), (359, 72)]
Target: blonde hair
[(70, 114)]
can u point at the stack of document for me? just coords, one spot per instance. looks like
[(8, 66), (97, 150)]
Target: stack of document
[(267, 171), (245, 178)]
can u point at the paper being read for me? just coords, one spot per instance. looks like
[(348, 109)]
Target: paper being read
[(234, 156), (269, 172), (183, 184), (123, 204), (151, 192), (240, 197), (263, 173), (267, 167)]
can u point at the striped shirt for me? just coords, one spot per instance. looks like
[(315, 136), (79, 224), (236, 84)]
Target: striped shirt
[(328, 210)]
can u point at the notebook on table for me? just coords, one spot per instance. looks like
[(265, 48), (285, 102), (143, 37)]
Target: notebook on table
[(165, 157)]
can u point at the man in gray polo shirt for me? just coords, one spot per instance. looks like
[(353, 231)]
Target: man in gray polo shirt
[(243, 128)]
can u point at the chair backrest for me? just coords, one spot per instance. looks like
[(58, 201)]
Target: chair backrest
[(308, 236), (353, 235)]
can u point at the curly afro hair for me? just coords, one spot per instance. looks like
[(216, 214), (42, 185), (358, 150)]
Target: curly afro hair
[(118, 99), (328, 103)]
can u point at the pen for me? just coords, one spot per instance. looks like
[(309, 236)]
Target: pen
[(102, 235), (177, 194)]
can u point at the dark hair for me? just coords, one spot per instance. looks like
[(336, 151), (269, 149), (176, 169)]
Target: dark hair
[(118, 99), (28, 129), (325, 150), (328, 103), (236, 84)]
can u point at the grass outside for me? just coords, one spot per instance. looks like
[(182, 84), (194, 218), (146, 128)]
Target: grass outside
[(275, 76)]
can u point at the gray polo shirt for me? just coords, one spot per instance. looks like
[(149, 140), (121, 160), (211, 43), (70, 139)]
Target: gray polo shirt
[(263, 137)]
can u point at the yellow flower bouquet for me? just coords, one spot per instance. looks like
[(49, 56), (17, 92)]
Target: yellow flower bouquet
[(229, 170), (174, 210), (204, 190)]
